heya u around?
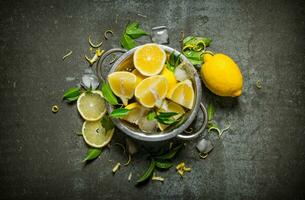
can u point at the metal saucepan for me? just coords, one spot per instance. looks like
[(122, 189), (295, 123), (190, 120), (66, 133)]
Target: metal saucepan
[(126, 61)]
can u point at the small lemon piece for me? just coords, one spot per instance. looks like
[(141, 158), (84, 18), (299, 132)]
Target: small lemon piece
[(91, 105), (122, 84), (95, 134), (169, 106), (222, 75), (149, 59), (183, 94), (170, 77), (151, 91)]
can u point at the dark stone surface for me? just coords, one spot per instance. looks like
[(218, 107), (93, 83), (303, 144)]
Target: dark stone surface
[(261, 157)]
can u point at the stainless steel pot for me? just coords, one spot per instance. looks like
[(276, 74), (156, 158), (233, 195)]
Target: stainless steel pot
[(125, 61)]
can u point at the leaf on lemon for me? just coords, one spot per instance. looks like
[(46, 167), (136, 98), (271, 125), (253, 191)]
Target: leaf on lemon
[(108, 94), (119, 112), (92, 154), (151, 115)]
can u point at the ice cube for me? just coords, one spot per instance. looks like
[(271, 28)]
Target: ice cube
[(160, 35), (90, 81)]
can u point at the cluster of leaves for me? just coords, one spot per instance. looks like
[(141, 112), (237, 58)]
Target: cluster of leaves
[(173, 61), (194, 47), (161, 162), (163, 117), (132, 31)]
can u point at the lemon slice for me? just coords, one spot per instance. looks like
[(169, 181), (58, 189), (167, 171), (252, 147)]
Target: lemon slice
[(139, 76), (91, 105), (169, 106), (149, 59), (151, 91), (95, 134), (183, 94), (170, 77), (122, 84), (137, 111)]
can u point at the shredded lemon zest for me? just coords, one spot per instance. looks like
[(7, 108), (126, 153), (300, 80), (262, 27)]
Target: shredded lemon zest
[(67, 55), (129, 160), (55, 108), (108, 31), (157, 178), (97, 54), (208, 52), (94, 45), (225, 129), (258, 84), (189, 131), (116, 167), (203, 155), (129, 176), (122, 146), (181, 168)]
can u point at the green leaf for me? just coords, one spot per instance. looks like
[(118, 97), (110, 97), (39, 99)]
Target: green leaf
[(71, 99), (211, 111), (134, 31), (195, 57), (92, 154), (127, 42), (170, 154), (120, 112), (163, 164), (107, 123), (166, 114), (151, 115), (72, 94), (173, 61), (148, 172), (108, 94)]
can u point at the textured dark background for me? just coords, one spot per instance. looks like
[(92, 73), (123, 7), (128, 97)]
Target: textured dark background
[(261, 157)]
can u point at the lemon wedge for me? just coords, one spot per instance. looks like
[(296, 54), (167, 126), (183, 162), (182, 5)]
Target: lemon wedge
[(183, 94), (149, 59), (91, 105), (139, 76), (151, 91), (122, 84), (170, 77)]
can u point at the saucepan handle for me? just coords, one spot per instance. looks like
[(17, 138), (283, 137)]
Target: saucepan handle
[(99, 66), (203, 126)]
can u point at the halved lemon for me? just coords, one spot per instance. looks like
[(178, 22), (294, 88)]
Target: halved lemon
[(149, 59), (95, 134), (137, 112), (91, 105), (151, 91), (170, 77), (169, 106), (183, 94), (139, 76), (122, 84)]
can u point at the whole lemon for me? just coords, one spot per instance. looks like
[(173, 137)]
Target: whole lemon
[(221, 75)]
